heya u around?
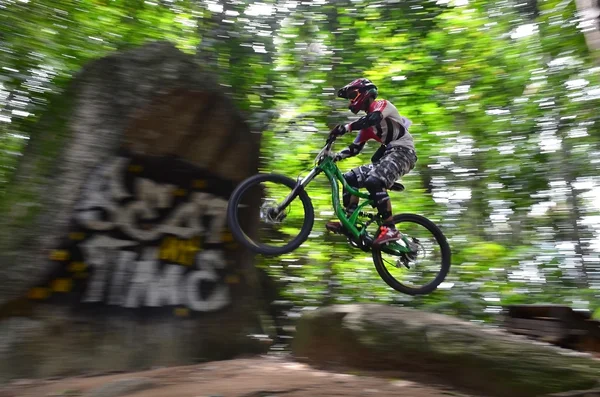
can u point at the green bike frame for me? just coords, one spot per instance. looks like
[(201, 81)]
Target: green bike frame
[(328, 166), (334, 174)]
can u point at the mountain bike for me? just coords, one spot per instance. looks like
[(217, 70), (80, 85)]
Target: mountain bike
[(284, 225)]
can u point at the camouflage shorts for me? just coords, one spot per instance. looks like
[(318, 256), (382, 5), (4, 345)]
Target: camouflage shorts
[(395, 163)]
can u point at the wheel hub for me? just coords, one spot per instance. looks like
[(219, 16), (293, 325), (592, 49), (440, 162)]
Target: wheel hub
[(416, 249), (270, 215)]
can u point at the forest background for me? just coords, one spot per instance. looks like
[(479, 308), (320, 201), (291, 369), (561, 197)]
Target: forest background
[(503, 96)]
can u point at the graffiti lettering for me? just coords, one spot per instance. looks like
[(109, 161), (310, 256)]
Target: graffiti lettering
[(99, 252), (106, 188), (150, 287), (146, 243)]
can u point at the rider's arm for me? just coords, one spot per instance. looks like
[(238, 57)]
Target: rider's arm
[(377, 112), (352, 150), (367, 121), (363, 125)]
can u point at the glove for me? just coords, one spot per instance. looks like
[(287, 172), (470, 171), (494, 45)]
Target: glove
[(336, 157), (339, 130)]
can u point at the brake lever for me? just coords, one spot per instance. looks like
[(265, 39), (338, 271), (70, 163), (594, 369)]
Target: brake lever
[(327, 149), (330, 139)]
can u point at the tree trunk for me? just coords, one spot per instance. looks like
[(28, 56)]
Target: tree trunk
[(589, 11)]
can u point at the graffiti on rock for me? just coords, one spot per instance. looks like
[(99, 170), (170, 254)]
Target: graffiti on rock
[(146, 233)]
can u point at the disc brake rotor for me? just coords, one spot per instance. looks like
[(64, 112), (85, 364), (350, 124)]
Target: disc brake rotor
[(406, 258), (269, 214)]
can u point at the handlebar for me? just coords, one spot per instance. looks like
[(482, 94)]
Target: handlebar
[(328, 143), (330, 139)]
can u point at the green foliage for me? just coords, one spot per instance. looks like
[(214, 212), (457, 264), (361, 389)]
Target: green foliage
[(503, 97)]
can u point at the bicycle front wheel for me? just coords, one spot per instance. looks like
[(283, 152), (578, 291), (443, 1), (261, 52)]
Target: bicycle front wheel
[(254, 223), (422, 271)]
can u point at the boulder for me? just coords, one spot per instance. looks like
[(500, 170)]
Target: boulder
[(114, 253), (464, 354)]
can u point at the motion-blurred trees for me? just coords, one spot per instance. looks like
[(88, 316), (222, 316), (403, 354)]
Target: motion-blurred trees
[(503, 96)]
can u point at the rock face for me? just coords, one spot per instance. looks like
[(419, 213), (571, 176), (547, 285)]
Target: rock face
[(464, 354), (114, 252)]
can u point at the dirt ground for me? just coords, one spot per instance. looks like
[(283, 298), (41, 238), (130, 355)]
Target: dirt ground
[(265, 376)]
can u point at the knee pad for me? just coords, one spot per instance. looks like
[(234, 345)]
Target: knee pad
[(352, 180), (379, 195), (374, 185)]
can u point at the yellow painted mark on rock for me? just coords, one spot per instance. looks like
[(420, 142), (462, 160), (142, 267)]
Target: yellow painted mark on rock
[(179, 192), (182, 312), (135, 168), (38, 293), (232, 279), (77, 267), (76, 236), (59, 255), (62, 285), (179, 251), (199, 183), (226, 237), (81, 275)]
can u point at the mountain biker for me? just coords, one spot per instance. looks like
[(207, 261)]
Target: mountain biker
[(395, 157)]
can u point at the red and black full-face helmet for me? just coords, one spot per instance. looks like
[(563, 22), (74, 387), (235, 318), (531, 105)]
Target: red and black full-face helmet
[(358, 92)]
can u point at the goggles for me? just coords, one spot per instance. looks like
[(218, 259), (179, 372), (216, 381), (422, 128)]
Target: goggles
[(352, 95)]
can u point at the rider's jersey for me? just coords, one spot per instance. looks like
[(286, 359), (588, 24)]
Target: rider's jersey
[(382, 123)]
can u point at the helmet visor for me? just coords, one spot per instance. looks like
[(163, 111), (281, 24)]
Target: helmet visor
[(353, 94)]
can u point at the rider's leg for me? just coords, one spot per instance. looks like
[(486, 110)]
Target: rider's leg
[(350, 201), (395, 163), (379, 194)]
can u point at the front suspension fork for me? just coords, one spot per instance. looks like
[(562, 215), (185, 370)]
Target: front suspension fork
[(297, 189)]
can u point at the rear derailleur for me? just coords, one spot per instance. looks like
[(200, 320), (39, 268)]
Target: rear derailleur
[(411, 256)]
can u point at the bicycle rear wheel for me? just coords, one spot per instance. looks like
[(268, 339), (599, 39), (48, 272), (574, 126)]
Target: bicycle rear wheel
[(253, 222), (422, 272)]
